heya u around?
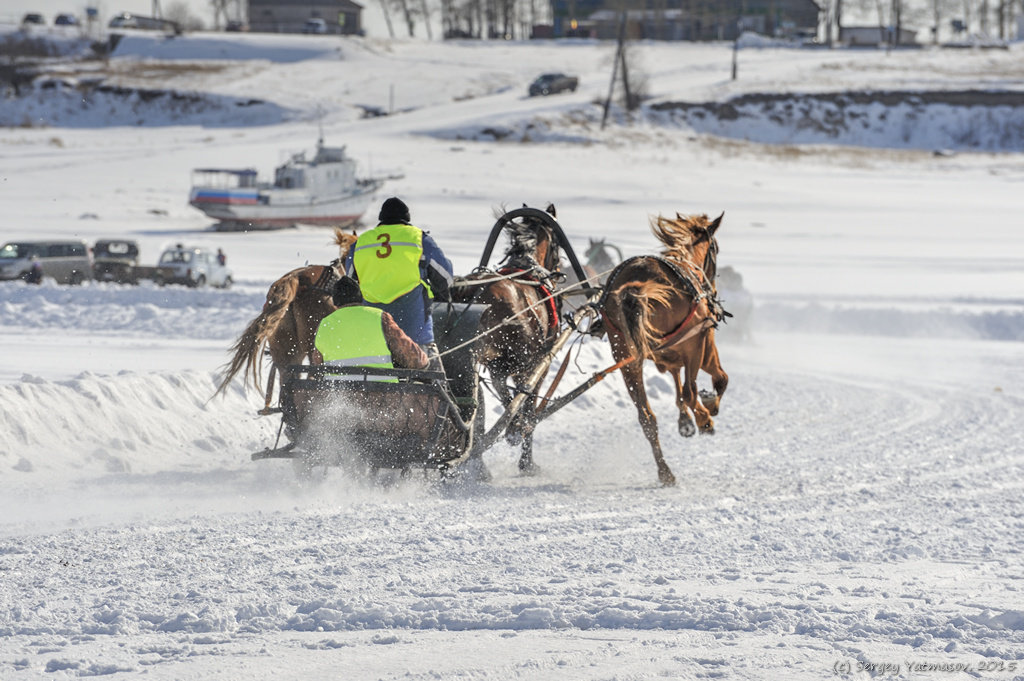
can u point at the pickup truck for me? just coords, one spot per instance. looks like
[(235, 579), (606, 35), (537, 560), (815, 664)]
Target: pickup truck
[(551, 83)]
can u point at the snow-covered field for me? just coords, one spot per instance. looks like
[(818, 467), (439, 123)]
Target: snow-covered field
[(860, 505)]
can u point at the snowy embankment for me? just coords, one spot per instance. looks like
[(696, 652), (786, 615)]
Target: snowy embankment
[(146, 87), (980, 121)]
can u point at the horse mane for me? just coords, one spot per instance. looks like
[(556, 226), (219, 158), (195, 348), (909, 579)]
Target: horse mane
[(680, 235), (344, 242), (522, 244), (524, 239)]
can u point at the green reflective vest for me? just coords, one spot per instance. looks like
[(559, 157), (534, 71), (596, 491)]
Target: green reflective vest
[(354, 336), (387, 262)]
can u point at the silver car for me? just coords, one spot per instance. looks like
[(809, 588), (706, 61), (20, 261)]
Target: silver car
[(67, 262), (192, 266)]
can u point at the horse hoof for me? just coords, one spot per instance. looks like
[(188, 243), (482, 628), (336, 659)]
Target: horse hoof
[(528, 468), (667, 479), (473, 470), (687, 427)]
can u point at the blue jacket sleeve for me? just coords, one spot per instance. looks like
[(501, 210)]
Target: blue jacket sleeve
[(437, 267)]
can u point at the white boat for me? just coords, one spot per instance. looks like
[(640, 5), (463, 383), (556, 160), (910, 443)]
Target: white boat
[(321, 191)]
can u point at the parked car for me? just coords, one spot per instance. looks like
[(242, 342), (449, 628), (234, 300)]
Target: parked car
[(315, 26), (66, 20), (33, 18), (115, 260), (123, 20), (192, 266), (551, 83), (235, 26), (67, 262)]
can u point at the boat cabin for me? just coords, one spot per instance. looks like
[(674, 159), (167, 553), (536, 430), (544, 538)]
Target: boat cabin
[(224, 185)]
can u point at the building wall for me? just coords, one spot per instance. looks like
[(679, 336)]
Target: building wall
[(290, 17), (696, 19), (872, 36)]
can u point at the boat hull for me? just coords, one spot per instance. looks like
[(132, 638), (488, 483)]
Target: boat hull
[(263, 210)]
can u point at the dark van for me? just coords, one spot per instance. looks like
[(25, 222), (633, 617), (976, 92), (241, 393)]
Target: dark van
[(67, 262), (115, 260)]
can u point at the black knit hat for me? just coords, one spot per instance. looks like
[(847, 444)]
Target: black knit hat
[(345, 292), (394, 211)]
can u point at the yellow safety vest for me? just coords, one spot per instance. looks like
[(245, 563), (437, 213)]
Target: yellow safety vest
[(354, 336), (387, 262)]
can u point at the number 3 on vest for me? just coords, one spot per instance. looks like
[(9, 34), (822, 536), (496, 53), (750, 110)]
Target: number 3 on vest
[(385, 246)]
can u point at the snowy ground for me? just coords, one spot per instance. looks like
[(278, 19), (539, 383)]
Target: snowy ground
[(859, 506)]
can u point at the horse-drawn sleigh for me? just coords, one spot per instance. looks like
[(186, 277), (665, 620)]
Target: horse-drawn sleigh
[(507, 323)]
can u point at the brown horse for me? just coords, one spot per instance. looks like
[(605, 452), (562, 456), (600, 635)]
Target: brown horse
[(666, 309), (522, 318), (295, 305)]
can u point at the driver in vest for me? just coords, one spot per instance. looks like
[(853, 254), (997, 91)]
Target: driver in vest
[(358, 335), (400, 269)]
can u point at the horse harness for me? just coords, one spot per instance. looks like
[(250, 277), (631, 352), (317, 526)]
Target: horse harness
[(324, 284), (328, 278), (543, 284), (535, 275), (697, 291)]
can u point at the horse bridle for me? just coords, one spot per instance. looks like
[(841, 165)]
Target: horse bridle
[(325, 282), (711, 260), (548, 270)]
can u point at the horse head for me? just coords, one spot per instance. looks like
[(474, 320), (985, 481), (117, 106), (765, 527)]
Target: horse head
[(532, 243), (709, 259), (344, 242), (690, 238)]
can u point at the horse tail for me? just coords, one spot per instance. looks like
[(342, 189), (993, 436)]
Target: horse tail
[(631, 303), (248, 348)]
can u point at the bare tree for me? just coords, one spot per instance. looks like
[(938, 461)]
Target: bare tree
[(387, 18), (220, 13), (179, 12), (426, 19), (407, 12)]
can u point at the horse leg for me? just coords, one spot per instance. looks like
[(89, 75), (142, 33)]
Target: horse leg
[(499, 382), (719, 379), (632, 374), (525, 423), (687, 428), (705, 425)]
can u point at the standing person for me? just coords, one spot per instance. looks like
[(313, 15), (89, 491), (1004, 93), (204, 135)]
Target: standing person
[(359, 335), (35, 272), (401, 269), (221, 258)]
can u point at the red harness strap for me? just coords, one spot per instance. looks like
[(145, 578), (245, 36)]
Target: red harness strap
[(553, 319)]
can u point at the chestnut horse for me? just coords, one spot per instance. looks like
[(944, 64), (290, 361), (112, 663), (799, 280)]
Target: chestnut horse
[(522, 319), (665, 308), (295, 305)]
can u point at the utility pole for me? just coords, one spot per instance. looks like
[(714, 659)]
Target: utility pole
[(615, 68), (736, 52)]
